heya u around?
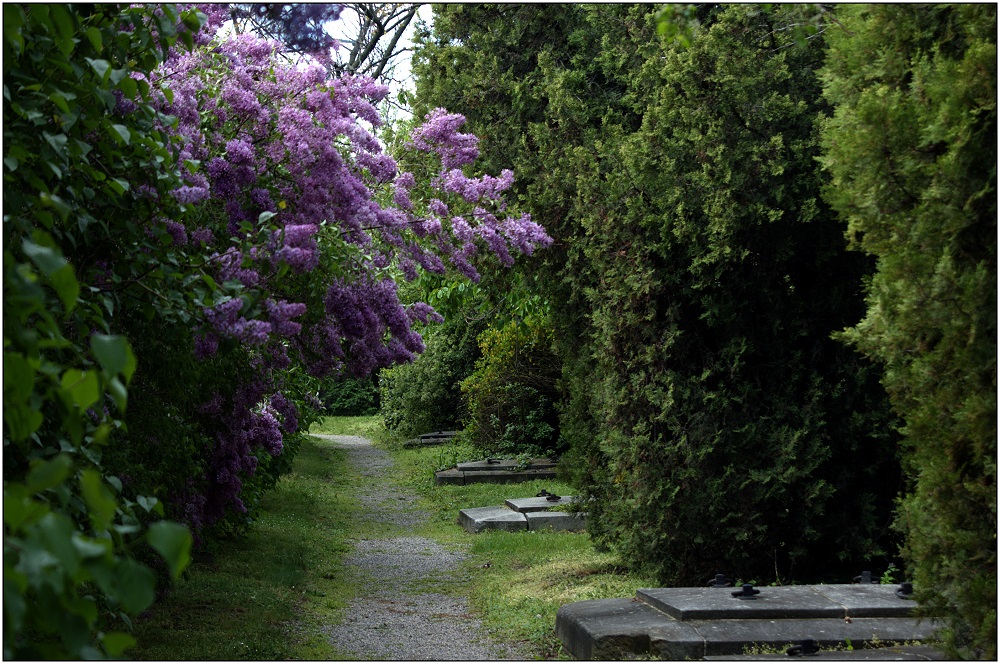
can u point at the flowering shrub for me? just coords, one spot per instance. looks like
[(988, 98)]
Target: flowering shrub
[(203, 236)]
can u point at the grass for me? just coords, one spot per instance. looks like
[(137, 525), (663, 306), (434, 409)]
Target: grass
[(517, 581), (267, 594), (242, 599)]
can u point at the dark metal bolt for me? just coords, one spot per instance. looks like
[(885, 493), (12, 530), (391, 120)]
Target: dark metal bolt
[(748, 592), (720, 581), (905, 590), (807, 647), (864, 577)]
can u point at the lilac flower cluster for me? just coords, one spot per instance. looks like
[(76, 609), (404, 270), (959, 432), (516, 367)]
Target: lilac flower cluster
[(258, 136)]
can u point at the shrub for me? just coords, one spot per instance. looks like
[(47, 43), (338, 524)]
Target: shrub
[(912, 151), (424, 395), (351, 396), (510, 397)]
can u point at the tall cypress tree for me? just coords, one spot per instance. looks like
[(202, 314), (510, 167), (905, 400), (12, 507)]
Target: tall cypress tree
[(912, 152)]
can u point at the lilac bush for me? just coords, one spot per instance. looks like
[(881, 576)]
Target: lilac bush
[(300, 221)]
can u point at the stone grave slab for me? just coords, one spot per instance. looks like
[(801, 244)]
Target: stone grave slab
[(455, 476), (449, 476), (772, 602), (615, 629), (478, 519), (904, 653), (492, 465), (433, 438), (573, 521), (729, 637), (526, 505), (684, 623), (868, 600)]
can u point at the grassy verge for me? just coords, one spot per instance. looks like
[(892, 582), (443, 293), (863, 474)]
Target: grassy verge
[(516, 581), (263, 595), (266, 595)]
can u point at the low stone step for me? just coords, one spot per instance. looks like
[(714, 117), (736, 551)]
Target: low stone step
[(478, 519), (817, 601), (492, 465), (692, 623), (455, 476), (433, 438), (904, 653)]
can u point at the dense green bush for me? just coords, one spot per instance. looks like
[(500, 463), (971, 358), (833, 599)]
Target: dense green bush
[(695, 282), (424, 396), (912, 151), (510, 398), (351, 396)]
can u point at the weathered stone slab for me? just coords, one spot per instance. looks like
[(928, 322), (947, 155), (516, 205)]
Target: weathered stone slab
[(917, 653), (827, 601), (478, 519), (573, 521), (732, 637), (868, 600), (719, 603), (536, 504), (493, 465), (439, 434), (619, 629), (449, 476), (614, 629)]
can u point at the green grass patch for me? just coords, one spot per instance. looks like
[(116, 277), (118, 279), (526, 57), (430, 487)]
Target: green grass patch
[(267, 595), (263, 595), (515, 581)]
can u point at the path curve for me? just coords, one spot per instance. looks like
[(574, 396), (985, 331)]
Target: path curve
[(396, 617)]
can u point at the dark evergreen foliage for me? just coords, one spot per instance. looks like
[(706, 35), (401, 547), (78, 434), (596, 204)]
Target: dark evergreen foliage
[(912, 151), (696, 279)]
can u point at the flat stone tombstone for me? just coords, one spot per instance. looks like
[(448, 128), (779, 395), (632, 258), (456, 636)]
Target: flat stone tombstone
[(535, 504), (477, 519), (573, 521), (853, 601), (868, 600), (487, 465), (719, 603)]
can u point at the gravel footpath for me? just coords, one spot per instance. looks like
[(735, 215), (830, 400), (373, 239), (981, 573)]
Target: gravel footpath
[(395, 617)]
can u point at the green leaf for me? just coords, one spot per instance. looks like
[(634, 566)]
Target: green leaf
[(18, 378), (135, 585), (111, 351), (102, 67), (172, 541), (121, 133), (147, 502), (118, 642), (94, 35), (47, 474), (82, 388), (101, 504), (47, 258)]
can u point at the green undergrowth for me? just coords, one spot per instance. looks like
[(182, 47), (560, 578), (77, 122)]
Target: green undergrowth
[(368, 426), (514, 581), (264, 595)]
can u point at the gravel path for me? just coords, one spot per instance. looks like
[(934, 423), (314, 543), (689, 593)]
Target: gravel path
[(397, 617)]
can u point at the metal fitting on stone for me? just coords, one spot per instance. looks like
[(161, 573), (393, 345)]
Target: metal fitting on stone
[(865, 577), (807, 647), (905, 590), (748, 592), (720, 581)]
